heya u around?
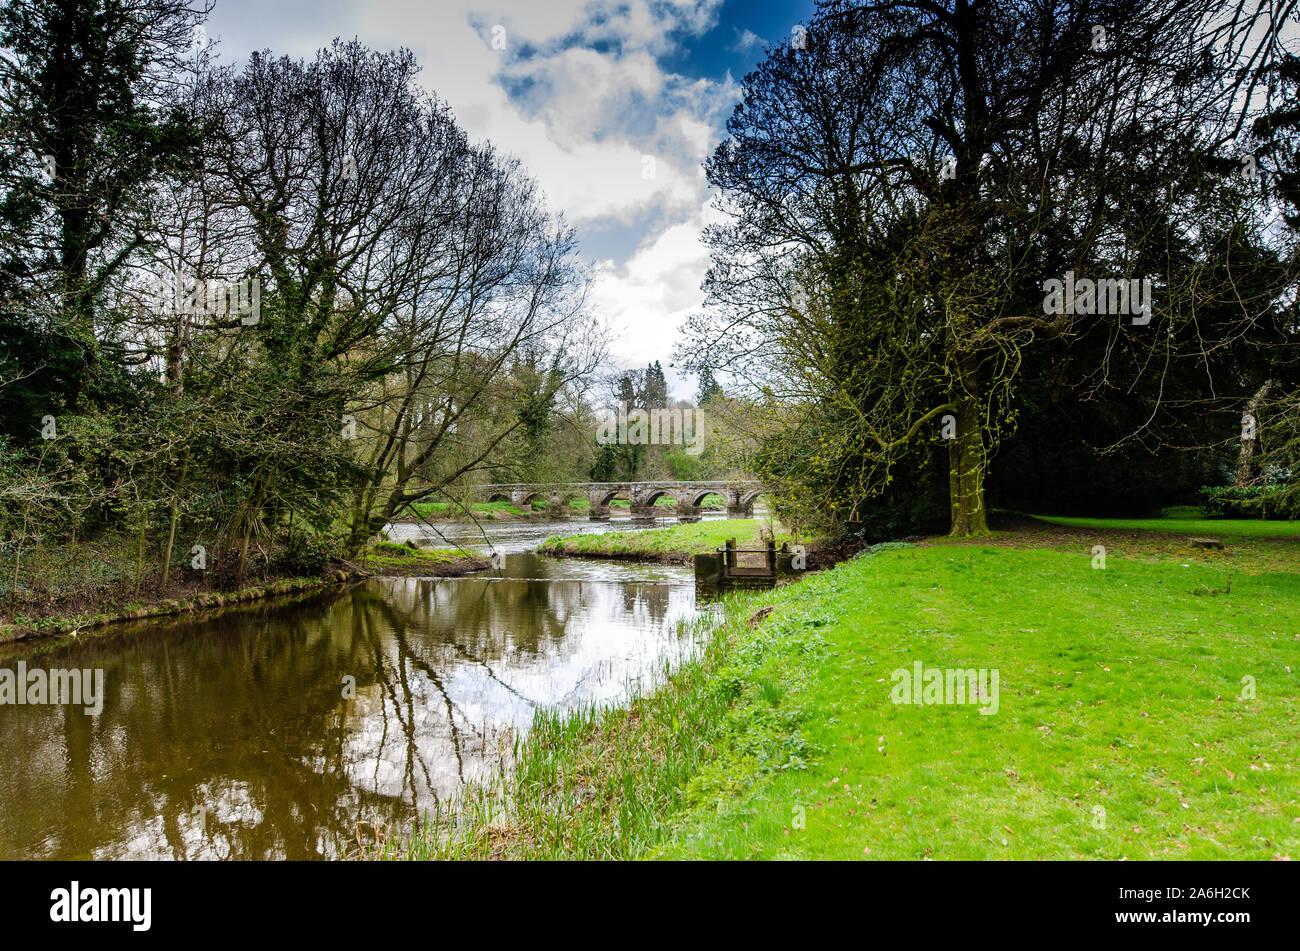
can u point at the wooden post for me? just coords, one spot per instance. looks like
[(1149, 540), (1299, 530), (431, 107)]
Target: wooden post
[(731, 553)]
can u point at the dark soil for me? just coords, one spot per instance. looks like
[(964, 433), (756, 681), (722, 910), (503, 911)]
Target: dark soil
[(828, 556)]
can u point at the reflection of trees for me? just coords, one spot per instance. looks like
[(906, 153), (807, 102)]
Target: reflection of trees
[(485, 615), (191, 717), (242, 716)]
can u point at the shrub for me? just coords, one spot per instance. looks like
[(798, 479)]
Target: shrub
[(308, 552), (1248, 501)]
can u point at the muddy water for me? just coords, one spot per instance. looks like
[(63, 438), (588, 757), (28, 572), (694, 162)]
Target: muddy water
[(273, 730)]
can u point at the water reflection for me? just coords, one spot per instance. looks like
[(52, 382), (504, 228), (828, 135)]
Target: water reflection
[(230, 737)]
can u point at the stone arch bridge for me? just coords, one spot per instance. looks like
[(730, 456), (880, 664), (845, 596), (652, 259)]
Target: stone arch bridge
[(739, 496)]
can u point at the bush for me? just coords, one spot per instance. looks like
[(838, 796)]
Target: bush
[(50, 571), (1248, 501), (308, 552)]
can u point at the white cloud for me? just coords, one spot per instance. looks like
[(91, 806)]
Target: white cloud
[(646, 299), (746, 40), (580, 118), (580, 96)]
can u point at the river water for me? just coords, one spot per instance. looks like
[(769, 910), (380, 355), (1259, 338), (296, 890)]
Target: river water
[(272, 730)]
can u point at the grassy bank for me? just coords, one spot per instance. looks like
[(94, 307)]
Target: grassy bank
[(1207, 527), (1145, 710), (482, 511), (17, 627), (390, 558), (675, 543), (104, 592)]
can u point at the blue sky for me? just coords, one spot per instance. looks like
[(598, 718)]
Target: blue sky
[(593, 97)]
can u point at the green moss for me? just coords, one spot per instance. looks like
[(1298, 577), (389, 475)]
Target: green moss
[(390, 556)]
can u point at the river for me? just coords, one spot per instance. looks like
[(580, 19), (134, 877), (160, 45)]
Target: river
[(274, 730)]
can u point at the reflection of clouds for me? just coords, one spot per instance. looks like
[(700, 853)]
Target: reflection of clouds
[(587, 643), (223, 813), (241, 716)]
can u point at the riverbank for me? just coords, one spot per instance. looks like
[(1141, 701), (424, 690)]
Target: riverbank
[(1142, 710), (677, 544), (190, 594), (390, 558), (20, 627)]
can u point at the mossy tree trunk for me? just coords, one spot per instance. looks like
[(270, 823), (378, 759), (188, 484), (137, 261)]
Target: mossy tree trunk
[(967, 465)]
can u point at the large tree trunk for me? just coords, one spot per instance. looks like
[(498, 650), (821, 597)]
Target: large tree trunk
[(1250, 437), (967, 465)]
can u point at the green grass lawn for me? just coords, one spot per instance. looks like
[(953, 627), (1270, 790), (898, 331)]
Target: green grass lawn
[(1125, 725), (688, 539), (1120, 730), (1183, 525)]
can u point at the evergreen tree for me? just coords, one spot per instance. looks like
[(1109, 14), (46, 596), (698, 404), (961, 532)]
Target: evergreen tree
[(88, 129), (709, 387), (654, 392)]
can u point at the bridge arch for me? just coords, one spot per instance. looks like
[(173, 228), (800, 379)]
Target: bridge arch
[(599, 497), (523, 498), (696, 497), (604, 498), (644, 499)]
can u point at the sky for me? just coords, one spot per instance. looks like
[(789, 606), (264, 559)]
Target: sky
[(612, 106)]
